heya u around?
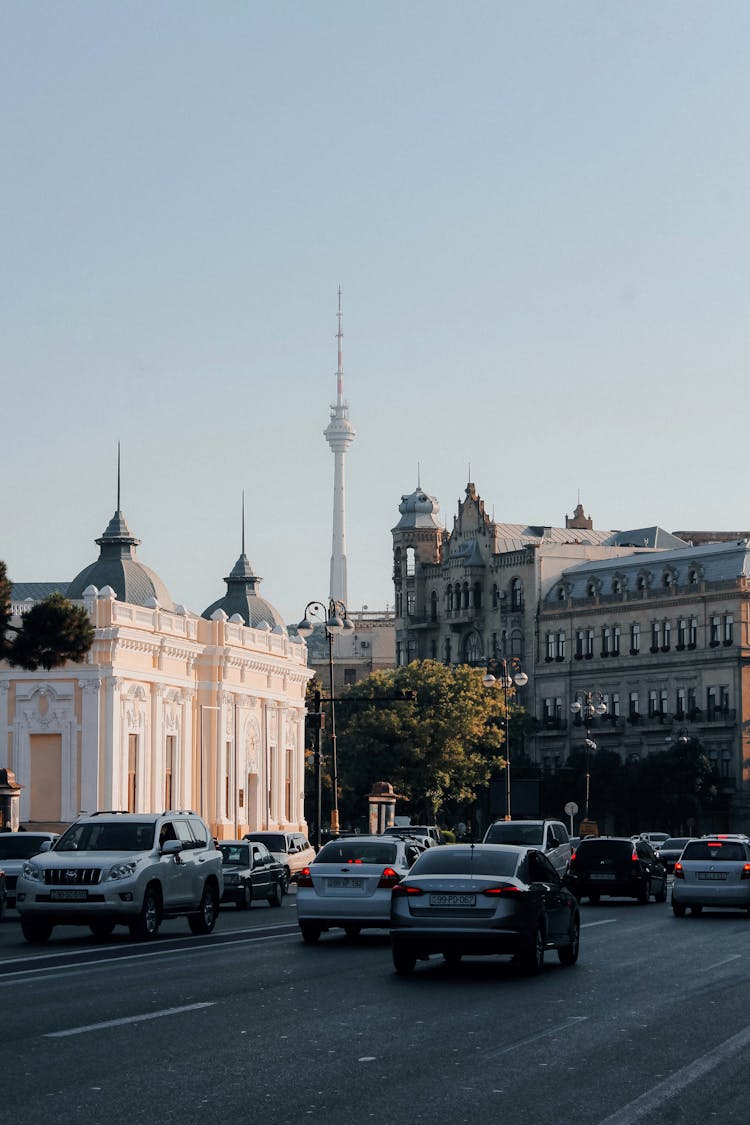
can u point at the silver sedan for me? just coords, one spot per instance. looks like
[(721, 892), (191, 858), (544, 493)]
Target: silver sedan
[(712, 872)]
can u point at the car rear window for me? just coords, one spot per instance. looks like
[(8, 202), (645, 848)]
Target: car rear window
[(604, 849), (274, 842), (527, 835), (466, 861), (714, 850), (352, 851), (235, 853)]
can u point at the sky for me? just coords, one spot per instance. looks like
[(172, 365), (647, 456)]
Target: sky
[(537, 214)]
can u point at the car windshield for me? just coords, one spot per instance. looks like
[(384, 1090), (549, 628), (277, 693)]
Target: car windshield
[(353, 851), (529, 835), (107, 836), (466, 860), (20, 846), (275, 842), (235, 853), (714, 850)]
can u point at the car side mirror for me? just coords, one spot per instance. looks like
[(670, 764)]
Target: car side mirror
[(46, 846), (171, 847), (554, 842)]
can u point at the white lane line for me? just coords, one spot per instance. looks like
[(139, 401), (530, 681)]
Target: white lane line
[(533, 1038), (128, 1019), (80, 966), (718, 964), (603, 922), (647, 1103)]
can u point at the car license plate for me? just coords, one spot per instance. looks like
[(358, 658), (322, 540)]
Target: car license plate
[(453, 900), (597, 876), (69, 894), (714, 876), (345, 884)]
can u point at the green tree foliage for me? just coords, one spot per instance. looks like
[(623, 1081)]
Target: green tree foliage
[(676, 785), (51, 633), (442, 747)]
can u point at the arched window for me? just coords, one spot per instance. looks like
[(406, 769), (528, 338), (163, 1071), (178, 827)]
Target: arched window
[(397, 563), (473, 650), (516, 594), (449, 599), (466, 595), (477, 595), (433, 606), (410, 562)]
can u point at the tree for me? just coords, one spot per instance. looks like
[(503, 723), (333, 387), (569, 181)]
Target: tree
[(53, 631), (440, 749)]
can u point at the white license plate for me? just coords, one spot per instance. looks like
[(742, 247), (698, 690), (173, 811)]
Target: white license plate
[(345, 884), (453, 900), (603, 877), (714, 876), (78, 894)]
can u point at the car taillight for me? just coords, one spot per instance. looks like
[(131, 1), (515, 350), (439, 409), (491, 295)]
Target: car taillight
[(634, 857), (304, 878), (678, 872), (389, 878), (501, 889), (572, 857), (745, 871), (406, 889)]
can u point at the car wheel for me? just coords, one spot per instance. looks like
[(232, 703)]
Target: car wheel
[(678, 909), (531, 959), (662, 895), (36, 930), (568, 954), (276, 896), (645, 893), (244, 902), (403, 960), (102, 929), (452, 957), (310, 933), (696, 909), (146, 925), (594, 899), (204, 921)]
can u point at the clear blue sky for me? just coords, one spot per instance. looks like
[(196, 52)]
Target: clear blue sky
[(538, 214)]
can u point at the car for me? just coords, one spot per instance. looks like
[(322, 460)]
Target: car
[(618, 867), (251, 874), (128, 869), (430, 830), (483, 899), (349, 884), (712, 872), (293, 851), (15, 847), (412, 834), (551, 836), (653, 838), (671, 850)]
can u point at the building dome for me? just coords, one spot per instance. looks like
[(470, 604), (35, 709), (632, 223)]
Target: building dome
[(418, 510), (242, 598), (118, 567)]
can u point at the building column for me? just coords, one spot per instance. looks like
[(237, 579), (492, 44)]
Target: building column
[(90, 735)]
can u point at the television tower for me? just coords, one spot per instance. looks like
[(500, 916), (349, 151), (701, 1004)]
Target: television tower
[(339, 433)]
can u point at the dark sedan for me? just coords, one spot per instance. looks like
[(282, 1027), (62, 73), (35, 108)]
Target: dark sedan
[(483, 899), (671, 850), (618, 867), (251, 874)]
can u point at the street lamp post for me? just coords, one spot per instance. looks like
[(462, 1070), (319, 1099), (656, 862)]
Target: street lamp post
[(588, 705), (510, 673), (335, 621)]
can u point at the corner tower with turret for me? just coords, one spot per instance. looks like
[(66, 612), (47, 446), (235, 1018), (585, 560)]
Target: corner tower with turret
[(417, 542)]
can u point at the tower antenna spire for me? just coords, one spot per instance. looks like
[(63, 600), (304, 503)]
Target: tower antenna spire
[(118, 476), (339, 433), (340, 368), (243, 521)]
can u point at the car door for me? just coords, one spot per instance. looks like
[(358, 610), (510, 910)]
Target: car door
[(556, 898), (261, 860), (654, 867), (177, 884)]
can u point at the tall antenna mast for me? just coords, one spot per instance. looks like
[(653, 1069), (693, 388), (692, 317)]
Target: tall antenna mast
[(340, 369), (339, 433), (118, 476)]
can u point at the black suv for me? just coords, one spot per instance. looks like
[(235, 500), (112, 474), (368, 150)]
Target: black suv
[(618, 867)]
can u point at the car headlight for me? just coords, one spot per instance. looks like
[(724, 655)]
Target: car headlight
[(32, 871), (122, 870)]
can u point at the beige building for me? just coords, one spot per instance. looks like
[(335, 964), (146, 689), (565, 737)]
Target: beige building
[(369, 647), (170, 710)]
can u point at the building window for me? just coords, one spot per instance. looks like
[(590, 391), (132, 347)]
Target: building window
[(560, 646), (663, 702), (466, 599), (547, 711), (616, 585), (433, 649), (652, 698), (449, 599), (635, 639), (589, 642), (433, 606), (447, 650), (666, 632), (168, 769), (477, 595), (579, 643), (350, 676), (516, 594), (655, 636), (711, 702), (411, 603), (691, 705), (411, 565), (615, 711), (667, 580), (724, 700), (715, 631), (616, 634), (728, 629), (550, 646), (399, 604), (681, 708), (693, 577), (681, 633), (633, 705), (693, 632), (605, 640)]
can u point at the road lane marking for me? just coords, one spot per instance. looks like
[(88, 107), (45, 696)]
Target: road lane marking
[(602, 922), (718, 964), (572, 1022), (644, 1105), (128, 1019)]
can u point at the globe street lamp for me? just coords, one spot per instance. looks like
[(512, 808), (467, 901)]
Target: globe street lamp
[(334, 619), (588, 705), (510, 673)]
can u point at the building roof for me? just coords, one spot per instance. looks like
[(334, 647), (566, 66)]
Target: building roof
[(242, 598), (514, 536), (35, 591), (118, 567), (418, 510)]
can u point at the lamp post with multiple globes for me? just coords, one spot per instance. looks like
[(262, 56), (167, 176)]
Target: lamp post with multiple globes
[(510, 674), (588, 705)]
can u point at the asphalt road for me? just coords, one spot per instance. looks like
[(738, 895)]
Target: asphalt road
[(250, 1025)]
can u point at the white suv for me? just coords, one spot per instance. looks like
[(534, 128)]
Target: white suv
[(131, 869), (551, 836)]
